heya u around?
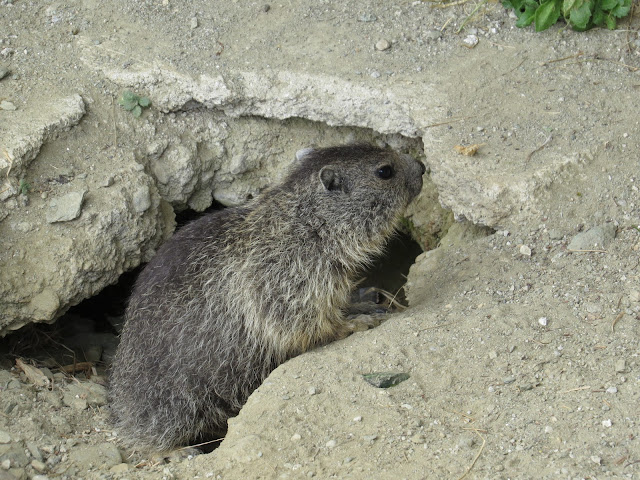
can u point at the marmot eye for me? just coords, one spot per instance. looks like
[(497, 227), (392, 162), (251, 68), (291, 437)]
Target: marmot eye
[(385, 172)]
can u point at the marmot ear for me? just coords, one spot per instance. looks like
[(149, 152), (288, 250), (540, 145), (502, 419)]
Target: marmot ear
[(330, 178), (303, 152)]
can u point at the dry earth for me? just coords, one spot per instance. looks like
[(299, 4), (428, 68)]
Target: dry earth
[(522, 345)]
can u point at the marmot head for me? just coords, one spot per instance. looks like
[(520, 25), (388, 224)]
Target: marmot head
[(358, 185)]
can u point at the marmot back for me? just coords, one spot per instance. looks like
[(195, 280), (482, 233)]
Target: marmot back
[(237, 292)]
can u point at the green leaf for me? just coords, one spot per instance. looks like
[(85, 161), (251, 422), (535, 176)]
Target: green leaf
[(622, 9), (144, 102), (598, 17), (526, 18), (579, 17), (137, 111), (547, 14), (608, 4), (610, 21), (568, 5)]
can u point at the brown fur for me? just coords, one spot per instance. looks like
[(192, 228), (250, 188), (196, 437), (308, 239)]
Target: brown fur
[(237, 292)]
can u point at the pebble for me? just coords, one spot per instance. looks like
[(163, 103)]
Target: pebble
[(375, 74), (367, 18), (607, 423), (418, 438), (357, 419), (7, 105), (3, 72), (38, 465), (467, 441), (621, 365), (525, 250), (119, 468), (634, 296), (194, 23), (4, 437), (331, 444), (266, 7), (470, 41), (508, 380), (382, 45), (433, 34), (295, 437), (312, 391), (543, 321), (612, 390)]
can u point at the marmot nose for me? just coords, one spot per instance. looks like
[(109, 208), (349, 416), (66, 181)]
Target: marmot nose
[(423, 169)]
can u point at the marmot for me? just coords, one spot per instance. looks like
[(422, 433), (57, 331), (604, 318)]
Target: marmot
[(238, 291)]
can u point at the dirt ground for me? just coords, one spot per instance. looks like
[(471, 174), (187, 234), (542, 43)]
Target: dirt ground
[(521, 346)]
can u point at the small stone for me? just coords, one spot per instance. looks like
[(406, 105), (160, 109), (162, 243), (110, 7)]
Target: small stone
[(634, 296), (357, 419), (295, 437), (3, 72), (508, 380), (612, 390), (382, 45), (119, 468), (548, 429), (433, 34), (142, 199), (38, 466), (596, 238), (369, 438), (470, 41), (266, 7), (525, 250), (543, 321), (367, 18), (65, 208), (5, 464), (493, 354), (607, 423), (7, 105), (39, 477), (4, 437), (418, 438), (555, 234), (467, 441), (596, 459), (194, 23), (331, 444), (375, 74), (312, 391), (621, 365)]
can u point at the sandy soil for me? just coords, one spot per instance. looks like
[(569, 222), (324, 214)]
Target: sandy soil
[(522, 346)]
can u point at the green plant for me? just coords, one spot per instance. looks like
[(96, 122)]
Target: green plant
[(24, 187), (134, 103), (579, 14)]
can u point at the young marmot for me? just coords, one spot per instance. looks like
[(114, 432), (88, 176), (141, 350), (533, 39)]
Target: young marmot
[(237, 292)]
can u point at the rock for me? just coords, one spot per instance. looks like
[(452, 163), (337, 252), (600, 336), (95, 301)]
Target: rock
[(4, 71), (7, 105), (382, 45), (525, 250), (4, 437), (66, 208), (367, 18), (104, 455), (596, 238), (621, 365), (85, 394), (470, 41), (193, 23)]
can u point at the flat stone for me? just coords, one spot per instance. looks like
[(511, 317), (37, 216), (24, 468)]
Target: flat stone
[(66, 208), (105, 455), (596, 238)]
